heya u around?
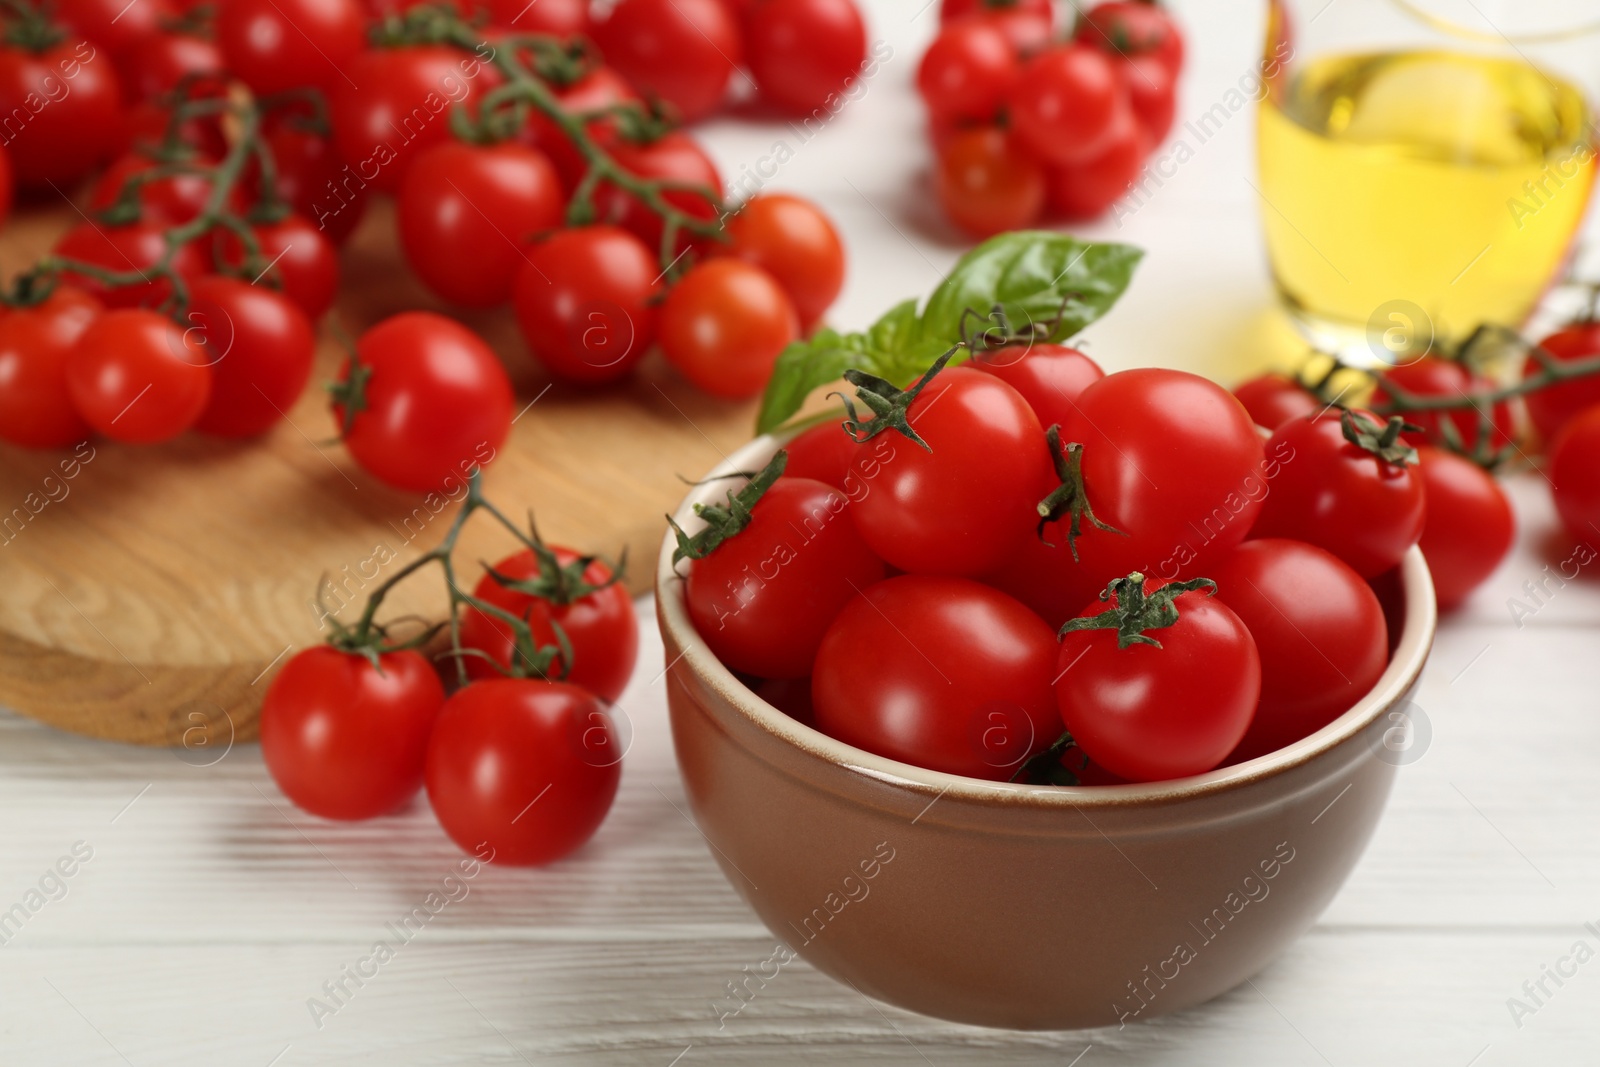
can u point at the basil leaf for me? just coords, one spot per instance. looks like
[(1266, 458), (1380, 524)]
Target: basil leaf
[(800, 368)]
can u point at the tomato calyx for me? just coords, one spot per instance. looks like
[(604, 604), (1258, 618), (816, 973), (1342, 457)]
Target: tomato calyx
[(1069, 500), (558, 584), (1136, 611), (726, 520), (350, 392), (1049, 766), (30, 29), (1385, 441), (890, 405)]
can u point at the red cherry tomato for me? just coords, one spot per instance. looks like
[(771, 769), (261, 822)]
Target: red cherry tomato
[(598, 89), (1336, 495), (1274, 399), (136, 377), (953, 10), (523, 772), (296, 255), (68, 133), (684, 51), (804, 54), (276, 45), (1469, 528), (1065, 103), (942, 673), (676, 157), (599, 622), (398, 102), (967, 72), (1131, 28), (560, 18), (260, 348), (965, 503), (35, 406), (315, 182), (1153, 95), (1086, 189), (437, 402), (466, 211), (1320, 632), (1050, 377), (345, 739), (1431, 376), (723, 325), (135, 247), (1147, 712), (792, 240), (145, 126), (763, 598), (157, 66), (1029, 28), (1574, 470), (829, 455), (115, 24), (1551, 408), (986, 184), (585, 302), (170, 201)]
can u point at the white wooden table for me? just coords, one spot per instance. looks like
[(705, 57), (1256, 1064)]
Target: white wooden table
[(211, 912)]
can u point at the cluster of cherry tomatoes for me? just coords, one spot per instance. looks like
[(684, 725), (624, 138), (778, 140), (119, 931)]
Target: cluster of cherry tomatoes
[(1025, 124), (521, 762), (1193, 594), (243, 149)]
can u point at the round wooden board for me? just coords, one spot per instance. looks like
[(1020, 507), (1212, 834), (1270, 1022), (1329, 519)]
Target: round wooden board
[(151, 594)]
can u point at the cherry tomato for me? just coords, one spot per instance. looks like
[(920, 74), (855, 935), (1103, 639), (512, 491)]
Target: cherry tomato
[(954, 10), (35, 406), (585, 302), (598, 89), (1131, 28), (136, 377), (592, 609), (436, 402), (967, 72), (525, 768), (115, 24), (1551, 408), (1574, 470), (276, 45), (1361, 506), (1153, 95), (723, 326), (1431, 376), (1469, 528), (560, 18), (345, 739), (296, 255), (260, 348), (170, 201), (145, 130), (684, 51), (986, 184), (466, 211), (315, 182), (1171, 460), (830, 455), (1050, 377), (67, 133), (1065, 103), (1150, 712), (398, 102), (791, 239), (1029, 28), (162, 61), (135, 247), (675, 156), (1320, 632), (1274, 399), (763, 598), (804, 54), (1084, 190), (963, 504)]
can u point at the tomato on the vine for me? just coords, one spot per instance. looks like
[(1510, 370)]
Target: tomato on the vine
[(77, 131), (1170, 702), (1274, 399), (1351, 487), (1050, 377), (585, 302), (598, 89), (297, 256), (723, 326), (156, 67), (136, 377), (465, 212), (36, 408), (939, 672), (346, 738), (1574, 470), (586, 600), (432, 402), (684, 51), (1319, 629), (311, 179), (967, 72), (987, 184), (170, 201), (1153, 96), (1085, 189), (1432, 377), (1132, 28), (1551, 408), (1469, 528), (1065, 102), (559, 18), (277, 45), (525, 768), (791, 239), (137, 246), (804, 54), (674, 157), (121, 27), (260, 347)]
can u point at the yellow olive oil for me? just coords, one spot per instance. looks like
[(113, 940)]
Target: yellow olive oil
[(1449, 181)]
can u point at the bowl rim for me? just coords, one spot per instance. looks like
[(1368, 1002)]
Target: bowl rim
[(1405, 666)]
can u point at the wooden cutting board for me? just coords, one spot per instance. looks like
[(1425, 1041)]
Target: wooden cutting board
[(149, 597)]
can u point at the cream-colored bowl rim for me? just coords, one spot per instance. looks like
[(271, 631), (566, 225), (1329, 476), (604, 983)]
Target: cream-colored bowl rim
[(1405, 665)]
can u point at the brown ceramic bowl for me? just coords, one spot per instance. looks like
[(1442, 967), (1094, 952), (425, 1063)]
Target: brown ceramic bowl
[(1025, 906)]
